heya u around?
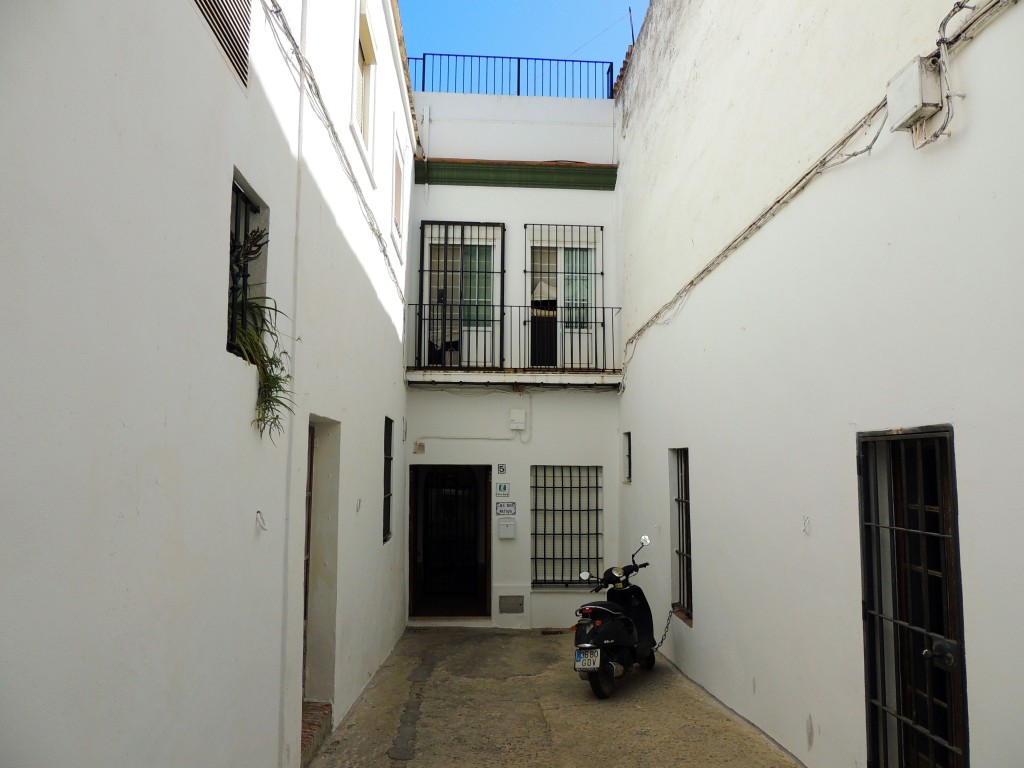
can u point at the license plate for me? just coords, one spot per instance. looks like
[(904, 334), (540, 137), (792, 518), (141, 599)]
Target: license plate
[(587, 659)]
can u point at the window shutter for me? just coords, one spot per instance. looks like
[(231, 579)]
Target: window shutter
[(229, 20)]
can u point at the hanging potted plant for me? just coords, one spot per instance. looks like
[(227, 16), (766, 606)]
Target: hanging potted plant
[(253, 335)]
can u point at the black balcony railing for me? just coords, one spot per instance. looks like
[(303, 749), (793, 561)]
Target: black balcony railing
[(539, 338), (511, 76)]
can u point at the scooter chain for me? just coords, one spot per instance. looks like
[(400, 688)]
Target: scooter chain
[(668, 621)]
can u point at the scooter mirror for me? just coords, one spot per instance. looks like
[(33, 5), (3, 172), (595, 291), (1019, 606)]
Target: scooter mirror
[(585, 575), (645, 540)]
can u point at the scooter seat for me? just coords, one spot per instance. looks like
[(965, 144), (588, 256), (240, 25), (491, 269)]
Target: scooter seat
[(605, 606)]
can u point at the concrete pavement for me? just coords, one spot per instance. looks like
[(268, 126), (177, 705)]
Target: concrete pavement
[(471, 697)]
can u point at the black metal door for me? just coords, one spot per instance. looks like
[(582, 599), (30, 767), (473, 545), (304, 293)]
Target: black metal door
[(450, 541), (913, 608)]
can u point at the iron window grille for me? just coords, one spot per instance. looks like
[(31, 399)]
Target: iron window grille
[(627, 445), (461, 294), (564, 266), (389, 428), (567, 504), (229, 21), (247, 241), (684, 582)]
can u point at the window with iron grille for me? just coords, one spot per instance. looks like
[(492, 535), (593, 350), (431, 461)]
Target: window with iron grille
[(565, 265), (461, 293), (229, 20), (683, 591), (565, 295), (247, 263), (567, 505), (389, 428)]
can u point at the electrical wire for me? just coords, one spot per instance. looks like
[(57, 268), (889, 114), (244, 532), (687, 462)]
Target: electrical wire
[(600, 33), (833, 157), (302, 72)]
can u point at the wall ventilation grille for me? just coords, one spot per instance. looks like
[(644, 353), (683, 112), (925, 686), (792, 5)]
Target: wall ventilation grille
[(229, 20)]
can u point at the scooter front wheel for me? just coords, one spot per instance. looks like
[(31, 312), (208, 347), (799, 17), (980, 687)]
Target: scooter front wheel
[(601, 682)]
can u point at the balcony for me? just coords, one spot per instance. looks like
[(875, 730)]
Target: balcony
[(537, 345), (511, 76)]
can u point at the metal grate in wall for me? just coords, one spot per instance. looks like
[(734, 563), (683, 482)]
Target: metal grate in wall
[(229, 20), (567, 504)]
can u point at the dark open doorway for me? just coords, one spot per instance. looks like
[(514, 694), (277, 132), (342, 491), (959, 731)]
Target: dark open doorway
[(450, 550)]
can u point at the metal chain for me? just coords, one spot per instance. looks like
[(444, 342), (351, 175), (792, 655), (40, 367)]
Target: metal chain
[(664, 634)]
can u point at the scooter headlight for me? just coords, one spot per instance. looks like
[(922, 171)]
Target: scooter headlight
[(618, 573)]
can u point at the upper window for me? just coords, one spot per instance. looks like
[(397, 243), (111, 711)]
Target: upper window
[(362, 108), (229, 20), (398, 194), (461, 293), (683, 590), (565, 295), (567, 505)]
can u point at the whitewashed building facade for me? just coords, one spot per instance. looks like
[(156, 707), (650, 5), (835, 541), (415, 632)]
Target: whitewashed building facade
[(728, 308), (152, 561), (823, 367)]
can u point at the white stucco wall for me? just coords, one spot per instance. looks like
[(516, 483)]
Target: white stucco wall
[(563, 428), (152, 620), (515, 127), (884, 296)]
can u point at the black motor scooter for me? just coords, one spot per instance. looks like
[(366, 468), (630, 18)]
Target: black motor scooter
[(614, 634)]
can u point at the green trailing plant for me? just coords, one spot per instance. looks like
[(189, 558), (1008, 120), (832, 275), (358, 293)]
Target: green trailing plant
[(257, 340)]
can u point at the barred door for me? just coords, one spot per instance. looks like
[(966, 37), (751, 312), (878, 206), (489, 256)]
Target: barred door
[(913, 609)]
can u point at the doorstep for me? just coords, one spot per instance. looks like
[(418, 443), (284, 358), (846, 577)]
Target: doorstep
[(316, 727)]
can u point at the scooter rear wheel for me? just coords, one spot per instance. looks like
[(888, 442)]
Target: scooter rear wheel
[(601, 682), (647, 662)]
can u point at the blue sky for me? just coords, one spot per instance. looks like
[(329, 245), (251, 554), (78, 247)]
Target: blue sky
[(594, 30)]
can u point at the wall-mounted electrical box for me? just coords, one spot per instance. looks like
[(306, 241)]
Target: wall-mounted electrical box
[(914, 94), (506, 528), (517, 419)]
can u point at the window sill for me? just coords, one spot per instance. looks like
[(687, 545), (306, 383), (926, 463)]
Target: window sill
[(682, 615)]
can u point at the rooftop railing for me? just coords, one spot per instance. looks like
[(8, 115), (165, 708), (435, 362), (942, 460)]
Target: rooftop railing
[(511, 76)]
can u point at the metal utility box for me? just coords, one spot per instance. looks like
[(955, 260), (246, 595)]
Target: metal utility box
[(914, 94), (506, 528), (510, 604)]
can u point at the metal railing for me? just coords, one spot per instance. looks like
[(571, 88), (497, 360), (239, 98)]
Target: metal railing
[(514, 338), (511, 76)]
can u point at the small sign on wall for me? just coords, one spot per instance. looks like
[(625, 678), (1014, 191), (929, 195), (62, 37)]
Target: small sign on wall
[(503, 489), (505, 508), (501, 469)]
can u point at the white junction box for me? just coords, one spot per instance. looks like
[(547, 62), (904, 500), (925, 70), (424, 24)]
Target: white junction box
[(506, 528), (914, 94), (517, 419)]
